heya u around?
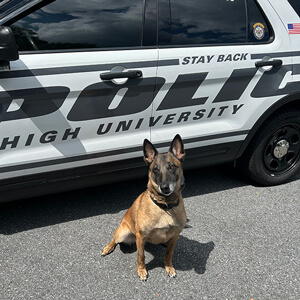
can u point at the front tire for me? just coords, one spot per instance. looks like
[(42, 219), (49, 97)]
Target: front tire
[(273, 156)]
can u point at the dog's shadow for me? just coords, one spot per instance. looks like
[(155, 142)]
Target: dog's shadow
[(188, 254)]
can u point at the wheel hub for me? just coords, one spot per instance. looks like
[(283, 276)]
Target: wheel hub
[(281, 149), (282, 152)]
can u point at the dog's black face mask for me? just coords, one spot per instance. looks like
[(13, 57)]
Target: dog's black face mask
[(165, 169), (165, 173)]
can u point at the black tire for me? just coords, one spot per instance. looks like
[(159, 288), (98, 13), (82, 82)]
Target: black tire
[(273, 156)]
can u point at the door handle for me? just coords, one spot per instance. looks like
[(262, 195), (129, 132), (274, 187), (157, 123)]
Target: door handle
[(127, 74), (265, 63)]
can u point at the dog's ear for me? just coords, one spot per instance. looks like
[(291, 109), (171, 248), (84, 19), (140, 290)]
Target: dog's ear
[(149, 152), (177, 148)]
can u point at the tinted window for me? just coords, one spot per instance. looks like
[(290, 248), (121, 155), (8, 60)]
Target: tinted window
[(258, 30), (296, 6), (150, 23), (208, 22), (72, 24)]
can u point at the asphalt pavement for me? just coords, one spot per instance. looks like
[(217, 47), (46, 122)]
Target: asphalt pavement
[(241, 242)]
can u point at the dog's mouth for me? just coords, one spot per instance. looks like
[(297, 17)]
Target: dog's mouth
[(166, 190)]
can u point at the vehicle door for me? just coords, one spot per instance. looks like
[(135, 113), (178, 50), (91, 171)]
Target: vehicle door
[(82, 89), (214, 90)]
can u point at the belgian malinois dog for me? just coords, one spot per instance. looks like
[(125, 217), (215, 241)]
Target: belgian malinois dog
[(157, 215)]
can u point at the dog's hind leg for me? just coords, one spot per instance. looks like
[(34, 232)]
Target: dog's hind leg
[(122, 235)]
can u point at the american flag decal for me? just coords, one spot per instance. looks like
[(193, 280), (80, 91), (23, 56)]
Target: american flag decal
[(294, 28)]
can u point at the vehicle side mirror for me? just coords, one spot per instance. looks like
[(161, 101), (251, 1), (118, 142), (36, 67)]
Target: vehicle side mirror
[(8, 48)]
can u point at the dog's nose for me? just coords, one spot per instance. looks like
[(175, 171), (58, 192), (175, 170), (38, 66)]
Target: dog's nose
[(165, 188)]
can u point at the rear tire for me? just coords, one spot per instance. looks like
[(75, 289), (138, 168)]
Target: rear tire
[(273, 156)]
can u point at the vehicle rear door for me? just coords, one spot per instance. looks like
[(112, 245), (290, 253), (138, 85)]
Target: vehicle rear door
[(214, 92)]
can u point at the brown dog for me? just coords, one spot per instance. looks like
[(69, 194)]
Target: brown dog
[(157, 215)]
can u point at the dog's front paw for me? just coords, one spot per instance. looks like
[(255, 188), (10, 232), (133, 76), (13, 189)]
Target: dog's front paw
[(170, 272), (143, 274)]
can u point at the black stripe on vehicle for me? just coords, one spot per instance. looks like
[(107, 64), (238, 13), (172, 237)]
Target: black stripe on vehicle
[(168, 62), (84, 69), (275, 54), (115, 152), (205, 138)]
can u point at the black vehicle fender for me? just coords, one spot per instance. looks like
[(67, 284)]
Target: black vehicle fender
[(290, 101)]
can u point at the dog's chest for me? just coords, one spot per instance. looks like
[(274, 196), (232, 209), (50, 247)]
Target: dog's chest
[(164, 227), (166, 220)]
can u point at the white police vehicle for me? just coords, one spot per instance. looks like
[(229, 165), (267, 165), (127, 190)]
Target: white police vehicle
[(83, 83)]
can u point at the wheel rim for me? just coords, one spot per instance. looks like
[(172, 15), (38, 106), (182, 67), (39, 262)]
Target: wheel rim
[(282, 150)]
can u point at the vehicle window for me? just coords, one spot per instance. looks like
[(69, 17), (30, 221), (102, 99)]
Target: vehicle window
[(296, 6), (208, 22), (75, 24), (150, 23), (258, 28)]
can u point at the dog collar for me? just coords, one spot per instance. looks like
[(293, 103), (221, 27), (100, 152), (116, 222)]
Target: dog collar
[(165, 206)]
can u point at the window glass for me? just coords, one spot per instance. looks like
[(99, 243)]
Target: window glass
[(208, 22), (150, 23), (296, 6), (258, 29), (164, 24), (73, 24)]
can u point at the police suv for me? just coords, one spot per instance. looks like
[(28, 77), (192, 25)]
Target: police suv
[(83, 83)]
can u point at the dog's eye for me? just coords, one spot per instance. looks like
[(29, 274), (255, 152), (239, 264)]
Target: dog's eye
[(155, 169), (171, 166)]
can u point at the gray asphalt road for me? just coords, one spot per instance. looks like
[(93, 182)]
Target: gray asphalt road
[(242, 242)]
